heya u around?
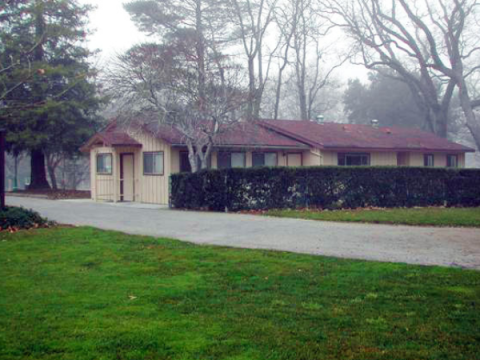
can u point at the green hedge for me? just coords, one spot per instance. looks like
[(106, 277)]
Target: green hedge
[(20, 218), (324, 187)]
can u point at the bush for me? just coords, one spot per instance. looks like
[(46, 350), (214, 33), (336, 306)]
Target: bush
[(15, 218), (324, 187)]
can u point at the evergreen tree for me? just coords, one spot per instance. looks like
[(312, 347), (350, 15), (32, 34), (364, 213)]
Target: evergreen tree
[(385, 99), (49, 102)]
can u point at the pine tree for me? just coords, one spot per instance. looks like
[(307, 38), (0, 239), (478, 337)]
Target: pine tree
[(51, 101)]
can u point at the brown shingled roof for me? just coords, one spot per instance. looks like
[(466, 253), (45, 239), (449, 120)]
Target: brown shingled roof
[(240, 134), (349, 136)]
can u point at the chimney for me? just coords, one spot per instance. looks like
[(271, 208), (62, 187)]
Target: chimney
[(375, 123), (320, 119)]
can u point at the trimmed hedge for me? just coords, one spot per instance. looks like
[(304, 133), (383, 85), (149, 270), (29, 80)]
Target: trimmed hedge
[(324, 187), (14, 218)]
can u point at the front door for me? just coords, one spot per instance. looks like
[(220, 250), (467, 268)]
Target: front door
[(127, 176)]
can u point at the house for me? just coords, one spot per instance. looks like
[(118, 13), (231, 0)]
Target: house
[(134, 164)]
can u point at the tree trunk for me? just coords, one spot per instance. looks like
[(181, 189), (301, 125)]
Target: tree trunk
[(472, 123), (441, 122), (53, 178), (2, 169), (251, 89), (200, 50), (38, 177)]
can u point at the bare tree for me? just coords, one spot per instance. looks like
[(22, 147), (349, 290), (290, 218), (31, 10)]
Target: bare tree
[(425, 43), (158, 84), (304, 49), (253, 18)]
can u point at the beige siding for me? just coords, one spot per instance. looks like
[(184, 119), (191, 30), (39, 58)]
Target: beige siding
[(461, 161), (214, 163), (93, 172), (312, 158), (282, 158), (175, 161), (329, 158), (103, 186), (415, 159), (440, 160), (383, 159), (249, 159), (153, 189)]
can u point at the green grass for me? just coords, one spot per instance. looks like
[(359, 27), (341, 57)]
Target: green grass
[(88, 294), (458, 217)]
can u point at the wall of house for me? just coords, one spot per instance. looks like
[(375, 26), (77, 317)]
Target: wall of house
[(154, 188), (102, 186), (175, 160), (281, 158), (390, 159), (383, 159), (440, 159), (329, 158), (150, 189), (312, 158)]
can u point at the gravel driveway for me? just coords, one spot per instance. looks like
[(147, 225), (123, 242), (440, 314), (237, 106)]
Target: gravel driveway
[(414, 245)]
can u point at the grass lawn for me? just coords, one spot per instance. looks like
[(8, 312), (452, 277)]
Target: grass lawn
[(468, 217), (82, 293)]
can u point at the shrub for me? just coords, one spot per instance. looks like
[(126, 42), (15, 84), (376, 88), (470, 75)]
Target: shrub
[(15, 218), (325, 187)]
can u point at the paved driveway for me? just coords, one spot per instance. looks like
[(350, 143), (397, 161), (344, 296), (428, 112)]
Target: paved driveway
[(414, 245)]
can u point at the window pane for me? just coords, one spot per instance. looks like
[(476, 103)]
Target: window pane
[(185, 162), (147, 164), (258, 159), (153, 163), (158, 163), (353, 159), (271, 159), (238, 160), (429, 160), (224, 160), (104, 163), (452, 161), (108, 163)]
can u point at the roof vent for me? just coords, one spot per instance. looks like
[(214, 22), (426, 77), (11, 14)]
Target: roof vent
[(320, 119), (375, 123)]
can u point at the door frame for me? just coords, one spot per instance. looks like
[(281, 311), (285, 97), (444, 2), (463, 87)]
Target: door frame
[(121, 174)]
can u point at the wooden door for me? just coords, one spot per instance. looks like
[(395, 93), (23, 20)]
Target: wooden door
[(127, 177)]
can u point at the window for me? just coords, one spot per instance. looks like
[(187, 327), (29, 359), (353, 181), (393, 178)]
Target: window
[(264, 159), (353, 159), (104, 164), (238, 160), (185, 162), (452, 161), (153, 163), (429, 160), (231, 160)]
